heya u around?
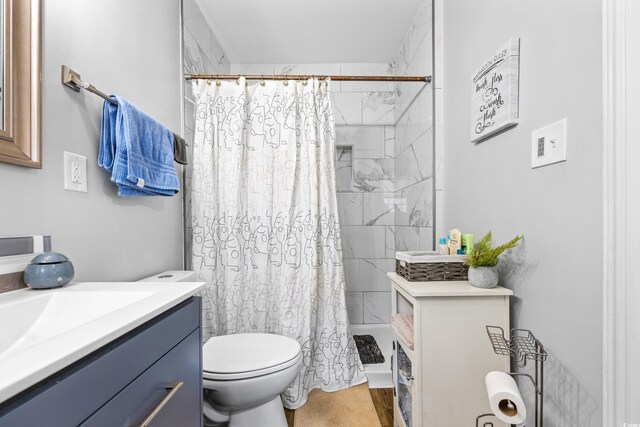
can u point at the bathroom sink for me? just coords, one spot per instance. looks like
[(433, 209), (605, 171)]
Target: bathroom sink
[(39, 317), (44, 331)]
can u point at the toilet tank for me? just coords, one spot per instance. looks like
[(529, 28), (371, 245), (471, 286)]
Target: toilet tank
[(171, 276)]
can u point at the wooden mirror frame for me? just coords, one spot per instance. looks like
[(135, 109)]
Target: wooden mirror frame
[(20, 133)]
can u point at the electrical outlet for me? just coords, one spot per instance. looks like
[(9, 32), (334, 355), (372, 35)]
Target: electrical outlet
[(76, 175), (549, 144), (75, 172)]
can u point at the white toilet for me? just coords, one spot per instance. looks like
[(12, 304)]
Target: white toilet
[(244, 374)]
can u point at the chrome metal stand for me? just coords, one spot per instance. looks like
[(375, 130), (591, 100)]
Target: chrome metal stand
[(487, 424), (521, 346)]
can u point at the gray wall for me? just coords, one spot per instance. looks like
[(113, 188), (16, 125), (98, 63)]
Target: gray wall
[(557, 274), (107, 238)]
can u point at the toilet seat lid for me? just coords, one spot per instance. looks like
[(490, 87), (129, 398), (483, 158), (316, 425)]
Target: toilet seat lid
[(247, 355)]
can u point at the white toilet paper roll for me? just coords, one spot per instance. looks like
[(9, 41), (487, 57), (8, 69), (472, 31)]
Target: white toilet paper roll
[(504, 398)]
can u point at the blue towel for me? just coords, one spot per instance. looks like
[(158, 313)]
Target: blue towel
[(137, 150)]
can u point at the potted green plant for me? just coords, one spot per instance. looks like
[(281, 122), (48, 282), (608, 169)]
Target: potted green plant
[(483, 259)]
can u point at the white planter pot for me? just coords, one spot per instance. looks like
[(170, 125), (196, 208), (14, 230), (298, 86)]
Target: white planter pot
[(483, 277)]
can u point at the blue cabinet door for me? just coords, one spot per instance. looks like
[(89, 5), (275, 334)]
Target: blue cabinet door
[(181, 408)]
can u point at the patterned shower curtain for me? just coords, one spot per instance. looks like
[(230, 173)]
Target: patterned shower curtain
[(266, 236)]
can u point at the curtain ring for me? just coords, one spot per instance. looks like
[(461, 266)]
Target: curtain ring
[(238, 81), (286, 80), (262, 83), (218, 82)]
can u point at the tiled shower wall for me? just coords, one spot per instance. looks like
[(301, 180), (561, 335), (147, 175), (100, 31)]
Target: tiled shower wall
[(414, 216), (366, 183), (202, 54), (394, 191)]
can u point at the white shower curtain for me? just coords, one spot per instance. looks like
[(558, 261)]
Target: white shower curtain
[(266, 236)]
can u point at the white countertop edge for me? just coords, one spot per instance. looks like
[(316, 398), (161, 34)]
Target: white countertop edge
[(35, 368), (446, 288)]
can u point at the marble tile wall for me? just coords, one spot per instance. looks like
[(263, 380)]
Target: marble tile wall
[(439, 113), (414, 56), (202, 54), (366, 203), (414, 139)]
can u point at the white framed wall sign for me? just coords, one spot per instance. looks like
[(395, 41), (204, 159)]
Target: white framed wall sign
[(494, 92)]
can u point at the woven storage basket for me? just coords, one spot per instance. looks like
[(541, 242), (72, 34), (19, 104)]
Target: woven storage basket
[(431, 267)]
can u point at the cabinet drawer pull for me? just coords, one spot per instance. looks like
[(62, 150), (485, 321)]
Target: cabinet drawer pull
[(173, 389)]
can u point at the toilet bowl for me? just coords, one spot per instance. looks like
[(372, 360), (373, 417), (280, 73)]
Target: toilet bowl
[(244, 375)]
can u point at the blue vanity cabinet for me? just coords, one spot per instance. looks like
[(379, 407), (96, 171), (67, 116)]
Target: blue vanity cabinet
[(154, 372), (166, 383)]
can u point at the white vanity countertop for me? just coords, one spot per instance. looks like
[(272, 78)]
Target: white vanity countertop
[(446, 288), (44, 331)]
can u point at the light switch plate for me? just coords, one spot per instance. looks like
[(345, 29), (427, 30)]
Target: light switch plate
[(549, 144), (75, 172)]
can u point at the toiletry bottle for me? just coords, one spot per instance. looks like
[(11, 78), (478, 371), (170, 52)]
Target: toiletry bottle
[(442, 246), (467, 243), (454, 241)]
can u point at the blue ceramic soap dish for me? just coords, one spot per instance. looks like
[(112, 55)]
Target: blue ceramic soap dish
[(48, 270)]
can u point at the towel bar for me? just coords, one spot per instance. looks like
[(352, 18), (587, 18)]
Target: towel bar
[(72, 80)]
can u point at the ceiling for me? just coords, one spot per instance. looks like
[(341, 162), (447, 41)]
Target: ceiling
[(309, 31)]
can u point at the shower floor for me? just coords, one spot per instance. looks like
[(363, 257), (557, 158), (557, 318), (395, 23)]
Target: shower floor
[(378, 374)]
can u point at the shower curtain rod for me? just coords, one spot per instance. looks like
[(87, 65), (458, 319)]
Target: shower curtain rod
[(420, 79)]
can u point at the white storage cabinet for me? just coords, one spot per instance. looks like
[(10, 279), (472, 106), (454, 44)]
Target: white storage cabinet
[(440, 382)]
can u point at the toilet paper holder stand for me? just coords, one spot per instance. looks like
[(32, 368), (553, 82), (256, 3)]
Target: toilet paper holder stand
[(521, 346)]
